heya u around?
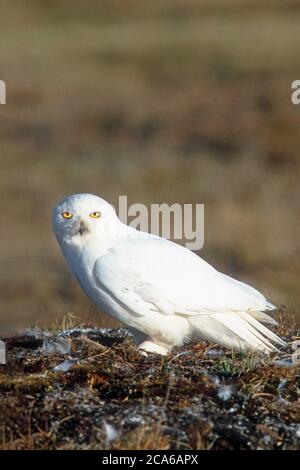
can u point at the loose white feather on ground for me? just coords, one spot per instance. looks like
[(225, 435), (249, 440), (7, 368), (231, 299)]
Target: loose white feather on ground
[(165, 293)]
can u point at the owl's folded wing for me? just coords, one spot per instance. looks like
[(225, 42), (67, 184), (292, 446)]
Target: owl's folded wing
[(157, 275)]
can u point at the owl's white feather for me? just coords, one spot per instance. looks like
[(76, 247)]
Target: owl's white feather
[(165, 293)]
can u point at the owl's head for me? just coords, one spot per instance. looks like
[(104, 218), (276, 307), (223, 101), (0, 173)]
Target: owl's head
[(83, 215)]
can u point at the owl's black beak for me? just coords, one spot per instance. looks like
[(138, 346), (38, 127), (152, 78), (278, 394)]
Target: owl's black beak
[(83, 228)]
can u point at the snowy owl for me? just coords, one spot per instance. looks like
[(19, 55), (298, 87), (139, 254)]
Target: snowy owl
[(163, 292)]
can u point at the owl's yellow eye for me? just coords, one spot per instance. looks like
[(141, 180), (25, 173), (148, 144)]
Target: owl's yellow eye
[(67, 215), (95, 215)]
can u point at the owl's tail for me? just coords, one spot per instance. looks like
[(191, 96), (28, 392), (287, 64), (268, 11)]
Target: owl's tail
[(237, 330)]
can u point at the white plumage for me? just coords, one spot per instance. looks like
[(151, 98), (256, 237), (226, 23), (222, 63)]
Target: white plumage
[(165, 293)]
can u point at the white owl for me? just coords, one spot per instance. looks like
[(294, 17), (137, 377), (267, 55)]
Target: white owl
[(163, 292)]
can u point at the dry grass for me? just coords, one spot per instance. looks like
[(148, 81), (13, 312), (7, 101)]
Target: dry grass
[(143, 438), (198, 397)]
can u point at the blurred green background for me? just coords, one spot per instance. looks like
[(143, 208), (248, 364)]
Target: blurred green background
[(163, 101)]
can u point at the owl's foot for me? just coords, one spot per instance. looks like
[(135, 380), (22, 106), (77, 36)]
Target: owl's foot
[(150, 346)]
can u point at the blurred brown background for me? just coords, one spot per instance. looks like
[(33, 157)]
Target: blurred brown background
[(163, 101)]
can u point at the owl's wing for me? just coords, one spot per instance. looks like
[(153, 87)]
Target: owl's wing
[(154, 274)]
